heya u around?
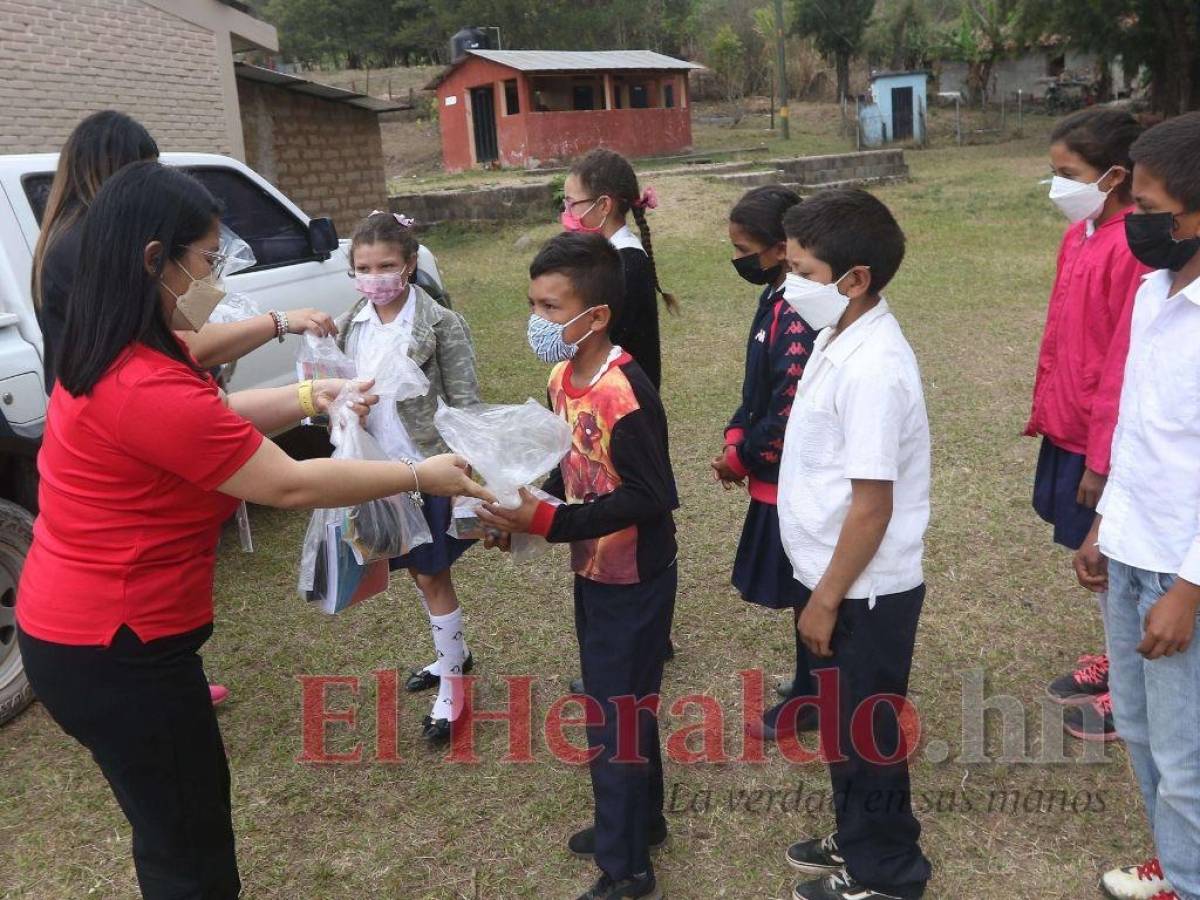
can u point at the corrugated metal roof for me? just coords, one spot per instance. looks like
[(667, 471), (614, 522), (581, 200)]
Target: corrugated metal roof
[(570, 61), (574, 60), (314, 88)]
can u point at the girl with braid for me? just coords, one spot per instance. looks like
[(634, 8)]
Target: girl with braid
[(600, 192)]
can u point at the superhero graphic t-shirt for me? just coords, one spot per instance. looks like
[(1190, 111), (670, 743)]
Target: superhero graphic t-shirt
[(616, 479)]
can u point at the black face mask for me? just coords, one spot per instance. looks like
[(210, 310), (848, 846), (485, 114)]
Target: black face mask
[(1150, 240), (750, 269)]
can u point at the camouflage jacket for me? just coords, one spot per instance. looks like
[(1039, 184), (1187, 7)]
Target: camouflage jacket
[(441, 345)]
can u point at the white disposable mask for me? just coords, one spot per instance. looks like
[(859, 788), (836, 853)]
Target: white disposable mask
[(1078, 200), (820, 305)]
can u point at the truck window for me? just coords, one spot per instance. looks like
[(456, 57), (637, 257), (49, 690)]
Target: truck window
[(37, 192), (276, 236)]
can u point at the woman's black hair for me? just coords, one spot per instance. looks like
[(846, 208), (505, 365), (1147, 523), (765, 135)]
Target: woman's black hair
[(99, 145), (1103, 138), (605, 172), (760, 213), (115, 301)]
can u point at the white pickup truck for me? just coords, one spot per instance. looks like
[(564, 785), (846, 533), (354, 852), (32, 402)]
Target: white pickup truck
[(300, 263)]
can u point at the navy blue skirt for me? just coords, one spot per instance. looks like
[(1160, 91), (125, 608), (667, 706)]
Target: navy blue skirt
[(1055, 487), (762, 573), (439, 555)]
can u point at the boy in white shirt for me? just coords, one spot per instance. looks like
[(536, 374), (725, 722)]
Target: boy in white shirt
[(853, 509), (1144, 549)]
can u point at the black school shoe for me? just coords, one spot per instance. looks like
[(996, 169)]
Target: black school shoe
[(838, 886), (636, 887), (435, 731), (423, 679), (818, 857), (765, 728), (582, 844)]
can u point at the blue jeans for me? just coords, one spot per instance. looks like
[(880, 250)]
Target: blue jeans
[(1156, 708)]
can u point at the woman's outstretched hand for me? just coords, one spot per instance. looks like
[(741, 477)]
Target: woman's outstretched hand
[(450, 476)]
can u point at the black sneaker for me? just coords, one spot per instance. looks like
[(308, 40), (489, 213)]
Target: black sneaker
[(765, 728), (1087, 682), (819, 856), (636, 887), (838, 886), (582, 844), (1093, 722), (575, 686), (423, 679)]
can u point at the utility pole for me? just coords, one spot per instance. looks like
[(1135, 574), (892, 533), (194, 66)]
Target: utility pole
[(781, 68)]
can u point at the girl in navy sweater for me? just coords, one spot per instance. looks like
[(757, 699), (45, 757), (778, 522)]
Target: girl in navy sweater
[(776, 352)]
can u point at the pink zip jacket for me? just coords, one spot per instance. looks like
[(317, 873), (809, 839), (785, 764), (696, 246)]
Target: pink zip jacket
[(1082, 361)]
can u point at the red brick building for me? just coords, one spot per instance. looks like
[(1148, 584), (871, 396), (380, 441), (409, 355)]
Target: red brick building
[(527, 107)]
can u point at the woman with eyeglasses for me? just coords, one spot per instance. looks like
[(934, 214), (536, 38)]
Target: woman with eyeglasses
[(143, 459)]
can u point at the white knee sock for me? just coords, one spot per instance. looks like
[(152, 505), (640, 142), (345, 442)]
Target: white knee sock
[(435, 667), (451, 647)]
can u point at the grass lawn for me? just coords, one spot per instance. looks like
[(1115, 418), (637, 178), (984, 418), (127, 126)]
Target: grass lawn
[(971, 297)]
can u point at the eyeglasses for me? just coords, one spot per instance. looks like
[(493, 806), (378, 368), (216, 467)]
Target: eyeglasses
[(216, 260), (569, 204)]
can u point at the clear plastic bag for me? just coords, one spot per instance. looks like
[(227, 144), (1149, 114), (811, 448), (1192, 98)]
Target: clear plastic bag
[(237, 253), (373, 531), (510, 446), (396, 376), (525, 547), (235, 308), (319, 357)]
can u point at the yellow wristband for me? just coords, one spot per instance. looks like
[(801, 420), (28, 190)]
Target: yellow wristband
[(305, 391)]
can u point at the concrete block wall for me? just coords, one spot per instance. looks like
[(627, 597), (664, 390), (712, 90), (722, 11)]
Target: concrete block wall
[(62, 61), (503, 204), (871, 166), (326, 156)]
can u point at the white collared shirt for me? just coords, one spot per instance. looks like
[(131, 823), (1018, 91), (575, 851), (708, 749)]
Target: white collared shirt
[(374, 339), (1151, 504), (859, 413), (623, 239)]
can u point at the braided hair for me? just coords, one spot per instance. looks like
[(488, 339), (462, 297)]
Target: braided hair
[(606, 172)]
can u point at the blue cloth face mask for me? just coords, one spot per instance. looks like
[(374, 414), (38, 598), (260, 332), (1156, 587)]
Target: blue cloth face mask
[(546, 338)]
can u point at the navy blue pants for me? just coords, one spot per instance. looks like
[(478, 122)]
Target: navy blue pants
[(877, 833), (623, 632), (1055, 487)]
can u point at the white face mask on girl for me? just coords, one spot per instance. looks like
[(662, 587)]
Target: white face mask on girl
[(1078, 200), (820, 305)]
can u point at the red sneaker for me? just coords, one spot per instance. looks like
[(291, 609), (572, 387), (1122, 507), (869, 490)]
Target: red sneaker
[(1093, 722), (1144, 882), (218, 693), (1085, 684)]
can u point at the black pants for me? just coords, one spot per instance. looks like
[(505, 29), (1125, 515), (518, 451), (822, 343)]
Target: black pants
[(623, 632), (143, 710), (877, 833)]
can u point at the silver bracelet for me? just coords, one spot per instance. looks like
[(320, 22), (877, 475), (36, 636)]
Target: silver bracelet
[(415, 493)]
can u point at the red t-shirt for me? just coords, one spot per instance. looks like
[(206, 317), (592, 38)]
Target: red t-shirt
[(130, 515)]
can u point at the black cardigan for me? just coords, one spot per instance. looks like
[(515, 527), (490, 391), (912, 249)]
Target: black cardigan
[(636, 326)]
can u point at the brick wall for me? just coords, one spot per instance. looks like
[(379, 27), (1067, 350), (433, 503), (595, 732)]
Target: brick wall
[(326, 156), (63, 59)]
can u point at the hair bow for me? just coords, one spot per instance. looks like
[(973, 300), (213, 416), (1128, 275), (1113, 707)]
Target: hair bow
[(648, 200), (399, 217)]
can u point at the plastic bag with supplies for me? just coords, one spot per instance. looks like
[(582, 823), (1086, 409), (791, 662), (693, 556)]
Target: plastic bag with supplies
[(395, 375), (340, 543), (319, 357), (509, 446), (525, 547)]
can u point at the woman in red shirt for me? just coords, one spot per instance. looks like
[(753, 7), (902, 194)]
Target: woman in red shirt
[(142, 461), (1082, 361)]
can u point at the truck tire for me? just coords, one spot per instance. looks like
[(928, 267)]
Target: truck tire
[(16, 535)]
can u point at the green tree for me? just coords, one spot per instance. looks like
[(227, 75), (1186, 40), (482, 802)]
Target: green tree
[(837, 27), (726, 55), (987, 31)]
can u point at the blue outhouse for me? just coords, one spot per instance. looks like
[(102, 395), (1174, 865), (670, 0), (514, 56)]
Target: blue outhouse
[(895, 109)]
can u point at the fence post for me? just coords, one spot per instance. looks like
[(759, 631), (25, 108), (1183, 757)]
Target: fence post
[(958, 118), (857, 123), (1020, 112), (1003, 112)]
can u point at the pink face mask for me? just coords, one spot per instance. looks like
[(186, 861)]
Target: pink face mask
[(572, 222), (381, 289)]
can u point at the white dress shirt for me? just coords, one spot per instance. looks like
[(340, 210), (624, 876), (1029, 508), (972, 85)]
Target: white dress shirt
[(374, 338), (859, 413), (1151, 505), (624, 239)]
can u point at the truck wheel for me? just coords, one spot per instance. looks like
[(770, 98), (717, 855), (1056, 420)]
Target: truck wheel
[(16, 534)]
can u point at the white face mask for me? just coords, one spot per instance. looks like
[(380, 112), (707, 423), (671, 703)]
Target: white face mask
[(1078, 200), (820, 305)]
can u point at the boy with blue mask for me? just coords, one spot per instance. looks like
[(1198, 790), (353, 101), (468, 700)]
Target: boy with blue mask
[(853, 509), (1143, 553), (620, 492)]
